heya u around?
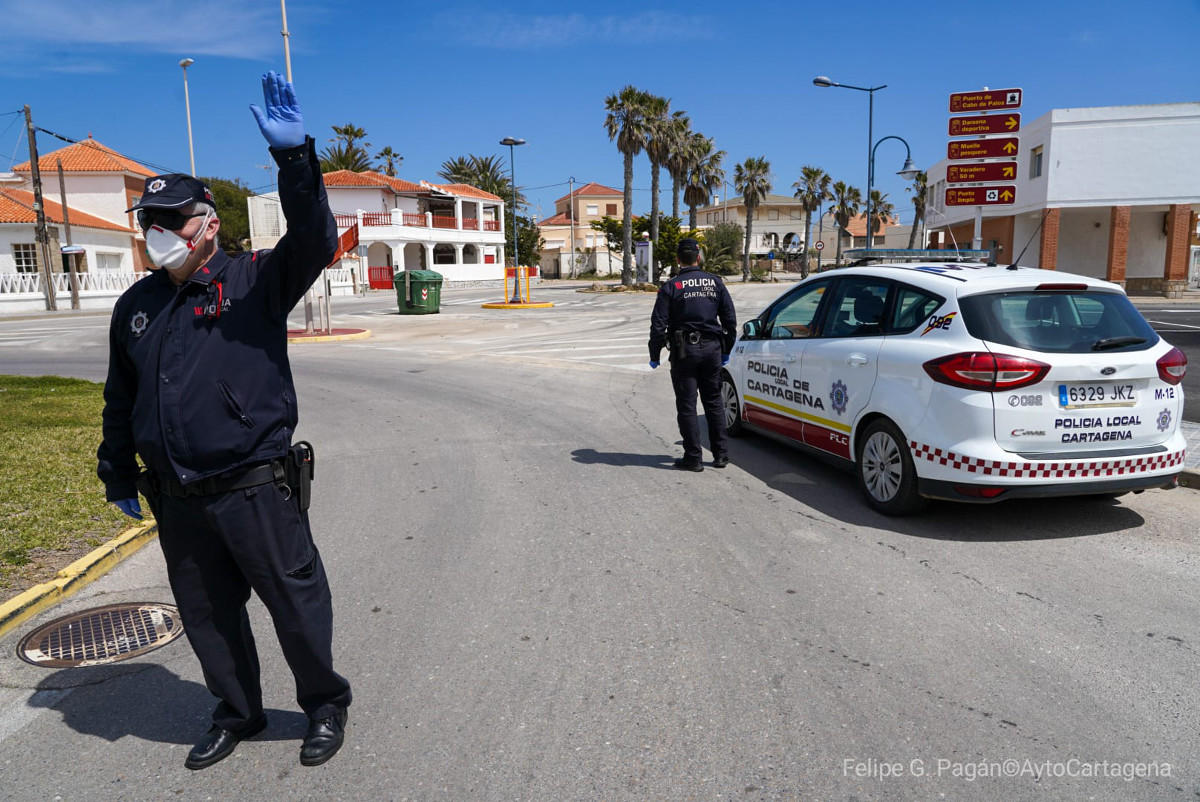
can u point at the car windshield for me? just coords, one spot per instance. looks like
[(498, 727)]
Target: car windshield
[(1076, 322)]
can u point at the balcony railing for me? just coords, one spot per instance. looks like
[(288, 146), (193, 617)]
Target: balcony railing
[(414, 220), (377, 218), (470, 224), (345, 220), (98, 281), (491, 225), (442, 221)]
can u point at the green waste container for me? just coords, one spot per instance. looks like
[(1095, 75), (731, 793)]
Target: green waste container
[(419, 292)]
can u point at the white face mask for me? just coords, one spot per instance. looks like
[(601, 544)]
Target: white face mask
[(169, 250)]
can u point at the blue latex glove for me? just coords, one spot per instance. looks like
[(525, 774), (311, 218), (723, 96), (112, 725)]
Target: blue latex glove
[(725, 360), (131, 507), (653, 365), (282, 125)]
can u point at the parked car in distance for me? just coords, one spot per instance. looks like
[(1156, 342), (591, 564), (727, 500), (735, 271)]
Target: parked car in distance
[(963, 381)]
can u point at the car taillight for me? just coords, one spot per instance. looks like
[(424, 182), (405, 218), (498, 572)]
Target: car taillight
[(982, 370), (1172, 366)]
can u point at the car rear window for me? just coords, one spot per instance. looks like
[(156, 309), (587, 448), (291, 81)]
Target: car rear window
[(1058, 322)]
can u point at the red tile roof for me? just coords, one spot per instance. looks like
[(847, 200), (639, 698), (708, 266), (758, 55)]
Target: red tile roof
[(369, 178), (563, 219), (466, 191), (591, 189), (857, 226), (88, 156), (16, 206)]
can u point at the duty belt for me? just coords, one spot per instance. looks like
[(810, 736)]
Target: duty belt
[(695, 337), (260, 475)]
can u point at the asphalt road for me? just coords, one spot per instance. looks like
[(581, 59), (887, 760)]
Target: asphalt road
[(1179, 325), (532, 605)]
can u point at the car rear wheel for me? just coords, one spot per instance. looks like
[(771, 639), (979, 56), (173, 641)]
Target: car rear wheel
[(885, 470), (733, 410)]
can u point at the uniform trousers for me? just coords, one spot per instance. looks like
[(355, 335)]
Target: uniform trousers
[(220, 547), (699, 371)]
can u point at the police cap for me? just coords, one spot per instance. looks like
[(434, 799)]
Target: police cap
[(173, 191), (687, 249)]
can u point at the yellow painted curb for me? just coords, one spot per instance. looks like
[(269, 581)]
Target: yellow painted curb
[(502, 305), (74, 577), (330, 338)]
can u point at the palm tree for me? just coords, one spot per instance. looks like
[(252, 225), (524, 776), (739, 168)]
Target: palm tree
[(812, 190), (665, 130), (679, 161), (626, 123), (920, 191), (704, 177), (345, 152), (752, 178), (882, 211), (846, 200), (391, 160), (342, 157), (482, 172)]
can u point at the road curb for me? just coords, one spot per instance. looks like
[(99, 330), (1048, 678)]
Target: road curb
[(1190, 477), (74, 577), (358, 334)]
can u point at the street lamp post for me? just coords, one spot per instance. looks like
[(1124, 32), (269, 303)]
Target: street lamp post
[(908, 172), (187, 102), (512, 142), (823, 81)]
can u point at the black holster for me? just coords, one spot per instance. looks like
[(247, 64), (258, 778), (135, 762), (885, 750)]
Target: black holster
[(678, 345), (299, 467)]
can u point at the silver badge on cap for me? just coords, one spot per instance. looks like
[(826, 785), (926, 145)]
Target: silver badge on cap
[(156, 185)]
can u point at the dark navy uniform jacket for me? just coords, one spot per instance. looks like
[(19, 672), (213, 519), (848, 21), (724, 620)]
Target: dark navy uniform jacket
[(693, 301), (198, 375)]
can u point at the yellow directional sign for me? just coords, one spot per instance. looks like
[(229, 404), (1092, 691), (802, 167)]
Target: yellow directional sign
[(981, 196)]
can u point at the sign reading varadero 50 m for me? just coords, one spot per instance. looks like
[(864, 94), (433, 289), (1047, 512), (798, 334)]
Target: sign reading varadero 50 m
[(984, 171)]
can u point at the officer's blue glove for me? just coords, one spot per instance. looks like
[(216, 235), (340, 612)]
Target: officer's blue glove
[(282, 125), (653, 364), (131, 507), (725, 360)]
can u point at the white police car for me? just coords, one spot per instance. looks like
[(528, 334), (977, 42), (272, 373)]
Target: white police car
[(963, 381)]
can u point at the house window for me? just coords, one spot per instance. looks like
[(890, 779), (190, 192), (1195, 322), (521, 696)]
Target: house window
[(708, 217), (108, 261), (1035, 162), (25, 257), (610, 209), (593, 209), (772, 214)]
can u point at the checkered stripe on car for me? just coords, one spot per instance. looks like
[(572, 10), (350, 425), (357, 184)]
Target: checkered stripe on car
[(1046, 470)]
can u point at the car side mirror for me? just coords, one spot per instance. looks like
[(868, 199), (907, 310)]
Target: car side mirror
[(752, 329)]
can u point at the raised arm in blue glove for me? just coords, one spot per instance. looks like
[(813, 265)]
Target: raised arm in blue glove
[(281, 124), (131, 507)]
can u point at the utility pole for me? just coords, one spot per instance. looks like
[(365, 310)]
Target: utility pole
[(571, 195), (68, 255), (42, 237)]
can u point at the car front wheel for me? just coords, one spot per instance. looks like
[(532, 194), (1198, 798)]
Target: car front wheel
[(732, 408), (885, 470)]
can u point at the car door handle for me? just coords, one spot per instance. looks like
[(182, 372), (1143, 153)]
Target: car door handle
[(790, 358), (857, 359)]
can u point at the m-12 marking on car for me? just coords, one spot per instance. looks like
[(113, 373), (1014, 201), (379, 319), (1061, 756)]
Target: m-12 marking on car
[(939, 322)]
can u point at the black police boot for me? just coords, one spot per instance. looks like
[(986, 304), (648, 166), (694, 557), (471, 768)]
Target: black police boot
[(689, 465), (323, 739), (720, 460), (219, 744)]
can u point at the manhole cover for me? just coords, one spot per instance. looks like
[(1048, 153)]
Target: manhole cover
[(101, 635)]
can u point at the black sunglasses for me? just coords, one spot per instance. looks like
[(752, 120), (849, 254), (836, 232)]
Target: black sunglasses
[(169, 219)]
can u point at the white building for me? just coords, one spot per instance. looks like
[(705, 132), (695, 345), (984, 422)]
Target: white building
[(455, 229), (1114, 190)]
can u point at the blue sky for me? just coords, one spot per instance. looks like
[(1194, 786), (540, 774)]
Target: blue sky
[(439, 80)]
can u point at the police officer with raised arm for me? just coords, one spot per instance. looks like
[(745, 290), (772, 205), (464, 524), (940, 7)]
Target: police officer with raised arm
[(199, 387), (694, 316)]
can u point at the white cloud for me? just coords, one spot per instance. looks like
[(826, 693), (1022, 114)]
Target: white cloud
[(489, 29), (74, 36)]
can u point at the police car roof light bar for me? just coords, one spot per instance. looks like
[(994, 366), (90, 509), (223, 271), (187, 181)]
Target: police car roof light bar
[(864, 255)]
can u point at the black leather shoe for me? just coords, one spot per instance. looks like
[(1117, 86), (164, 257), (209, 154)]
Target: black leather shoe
[(219, 744), (720, 461), (323, 739), (688, 465)]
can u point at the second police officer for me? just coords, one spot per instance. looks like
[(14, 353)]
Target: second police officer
[(693, 316)]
